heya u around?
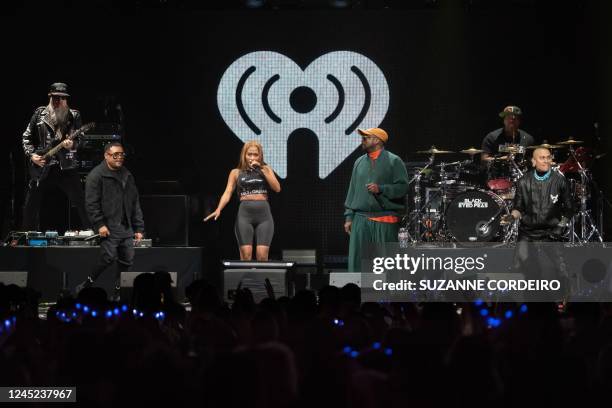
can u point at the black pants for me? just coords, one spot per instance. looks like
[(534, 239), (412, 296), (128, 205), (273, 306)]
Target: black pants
[(68, 181), (115, 252), (539, 256)]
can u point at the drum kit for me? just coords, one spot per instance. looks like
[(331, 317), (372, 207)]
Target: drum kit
[(469, 201)]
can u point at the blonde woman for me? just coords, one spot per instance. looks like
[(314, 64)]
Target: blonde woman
[(252, 180)]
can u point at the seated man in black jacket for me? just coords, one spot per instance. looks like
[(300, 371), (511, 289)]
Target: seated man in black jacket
[(113, 207), (542, 201)]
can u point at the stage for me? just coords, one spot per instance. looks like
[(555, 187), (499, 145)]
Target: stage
[(51, 269)]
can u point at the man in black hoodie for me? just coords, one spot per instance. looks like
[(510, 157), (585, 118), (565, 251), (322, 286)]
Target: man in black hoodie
[(113, 207)]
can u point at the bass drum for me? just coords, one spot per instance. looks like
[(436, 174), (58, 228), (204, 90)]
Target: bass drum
[(468, 216)]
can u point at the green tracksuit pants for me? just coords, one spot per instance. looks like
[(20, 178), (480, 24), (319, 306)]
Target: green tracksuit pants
[(364, 231)]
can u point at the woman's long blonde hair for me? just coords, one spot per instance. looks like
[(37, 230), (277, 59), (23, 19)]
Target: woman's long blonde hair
[(242, 164)]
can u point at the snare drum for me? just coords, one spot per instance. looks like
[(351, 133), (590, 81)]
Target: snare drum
[(468, 216)]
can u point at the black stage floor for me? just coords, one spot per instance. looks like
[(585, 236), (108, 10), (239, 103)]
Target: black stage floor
[(50, 269)]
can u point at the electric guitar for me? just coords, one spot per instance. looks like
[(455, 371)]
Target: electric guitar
[(38, 173)]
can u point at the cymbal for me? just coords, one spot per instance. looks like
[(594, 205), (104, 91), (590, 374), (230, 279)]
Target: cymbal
[(433, 150), (471, 150), (423, 171), (570, 141), (544, 146)]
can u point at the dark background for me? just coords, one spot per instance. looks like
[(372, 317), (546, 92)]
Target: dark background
[(450, 69)]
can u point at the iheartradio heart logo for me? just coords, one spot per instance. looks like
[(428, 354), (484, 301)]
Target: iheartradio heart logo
[(266, 96)]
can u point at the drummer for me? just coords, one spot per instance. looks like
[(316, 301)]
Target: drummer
[(509, 134)]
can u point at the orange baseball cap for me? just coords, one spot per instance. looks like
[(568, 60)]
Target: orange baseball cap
[(376, 132)]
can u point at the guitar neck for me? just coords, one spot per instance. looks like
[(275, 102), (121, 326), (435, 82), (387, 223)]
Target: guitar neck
[(71, 136), (53, 150)]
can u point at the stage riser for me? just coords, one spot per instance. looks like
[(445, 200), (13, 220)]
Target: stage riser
[(48, 268)]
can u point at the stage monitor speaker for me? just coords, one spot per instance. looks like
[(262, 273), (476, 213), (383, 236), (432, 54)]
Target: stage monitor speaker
[(339, 279), (363, 280), (305, 266), (19, 278), (252, 275), (300, 256), (166, 219), (127, 284)]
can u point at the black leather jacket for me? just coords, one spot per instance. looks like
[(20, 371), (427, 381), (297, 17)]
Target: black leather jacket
[(39, 134), (542, 203)]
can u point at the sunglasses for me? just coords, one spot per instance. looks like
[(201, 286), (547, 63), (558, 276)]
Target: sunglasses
[(117, 155)]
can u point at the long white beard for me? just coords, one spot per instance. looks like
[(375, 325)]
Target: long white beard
[(59, 116)]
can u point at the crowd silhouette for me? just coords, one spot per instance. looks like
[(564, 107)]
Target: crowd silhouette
[(313, 349)]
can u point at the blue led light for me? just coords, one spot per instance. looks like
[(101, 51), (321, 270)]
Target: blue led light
[(484, 312), (124, 308), (85, 309), (508, 314), (376, 345), (116, 311), (78, 306), (388, 351), (354, 354), (94, 313), (7, 323), (109, 313), (523, 308), (478, 302), (347, 349)]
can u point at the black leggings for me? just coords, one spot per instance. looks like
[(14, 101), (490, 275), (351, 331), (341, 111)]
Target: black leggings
[(254, 218)]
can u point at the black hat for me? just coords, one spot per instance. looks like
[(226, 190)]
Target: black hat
[(511, 110), (58, 89)]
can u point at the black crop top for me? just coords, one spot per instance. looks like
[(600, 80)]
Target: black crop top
[(251, 182)]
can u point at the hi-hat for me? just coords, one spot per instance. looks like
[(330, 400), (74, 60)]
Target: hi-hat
[(472, 150), (570, 141), (545, 146), (433, 150)]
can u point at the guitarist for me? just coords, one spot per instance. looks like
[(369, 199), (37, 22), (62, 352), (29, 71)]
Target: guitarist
[(49, 126)]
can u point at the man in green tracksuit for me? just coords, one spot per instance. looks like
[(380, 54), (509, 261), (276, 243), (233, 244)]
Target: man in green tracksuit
[(375, 198)]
